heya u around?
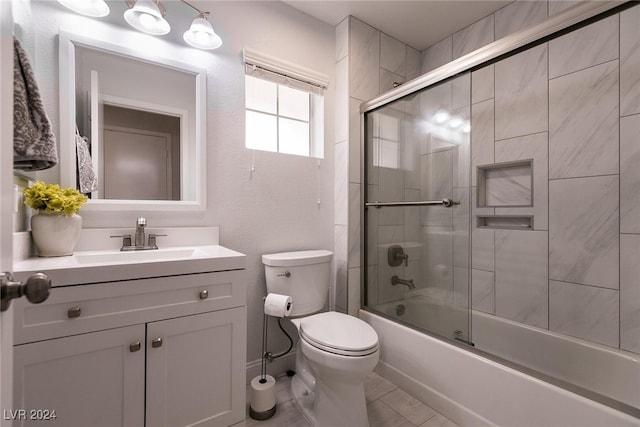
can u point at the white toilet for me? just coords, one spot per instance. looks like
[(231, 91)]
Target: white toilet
[(335, 352)]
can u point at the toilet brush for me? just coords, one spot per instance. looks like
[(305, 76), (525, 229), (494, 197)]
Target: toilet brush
[(263, 392)]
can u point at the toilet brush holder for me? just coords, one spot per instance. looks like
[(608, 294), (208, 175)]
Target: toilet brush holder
[(262, 397)]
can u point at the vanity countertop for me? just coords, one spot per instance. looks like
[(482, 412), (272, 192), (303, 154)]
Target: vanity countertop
[(108, 266), (97, 258)]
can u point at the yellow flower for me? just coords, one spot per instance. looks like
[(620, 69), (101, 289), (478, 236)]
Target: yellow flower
[(53, 199)]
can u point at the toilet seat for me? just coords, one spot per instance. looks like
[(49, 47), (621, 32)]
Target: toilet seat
[(339, 333)]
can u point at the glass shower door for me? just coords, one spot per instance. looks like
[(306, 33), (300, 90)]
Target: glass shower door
[(416, 211)]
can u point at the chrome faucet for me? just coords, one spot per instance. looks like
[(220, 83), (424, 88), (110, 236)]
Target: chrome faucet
[(395, 280), (139, 239), (139, 243)]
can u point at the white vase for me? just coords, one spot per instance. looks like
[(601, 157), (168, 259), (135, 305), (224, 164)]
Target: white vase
[(55, 234)]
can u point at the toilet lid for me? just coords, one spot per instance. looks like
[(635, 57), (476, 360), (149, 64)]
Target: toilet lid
[(339, 333)]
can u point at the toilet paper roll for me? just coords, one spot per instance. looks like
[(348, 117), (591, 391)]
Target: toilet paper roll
[(262, 396), (277, 305)]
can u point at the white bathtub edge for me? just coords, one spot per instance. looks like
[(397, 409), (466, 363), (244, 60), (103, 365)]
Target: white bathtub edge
[(442, 404), (471, 390)]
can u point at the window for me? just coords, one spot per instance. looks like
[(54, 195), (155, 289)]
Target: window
[(283, 114), (386, 141)]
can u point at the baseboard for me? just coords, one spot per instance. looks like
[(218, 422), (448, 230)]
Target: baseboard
[(275, 368)]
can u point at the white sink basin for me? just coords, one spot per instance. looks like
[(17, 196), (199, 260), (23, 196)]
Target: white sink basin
[(137, 256)]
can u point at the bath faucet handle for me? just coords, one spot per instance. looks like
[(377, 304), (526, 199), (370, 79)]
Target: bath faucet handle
[(396, 256), (126, 239), (152, 239)]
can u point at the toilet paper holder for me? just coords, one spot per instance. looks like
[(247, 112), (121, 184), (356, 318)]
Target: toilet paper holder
[(263, 403)]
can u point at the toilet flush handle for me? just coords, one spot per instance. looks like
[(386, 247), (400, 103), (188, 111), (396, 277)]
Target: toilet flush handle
[(286, 274)]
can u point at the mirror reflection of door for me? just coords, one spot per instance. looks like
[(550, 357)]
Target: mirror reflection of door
[(137, 164), (139, 155)]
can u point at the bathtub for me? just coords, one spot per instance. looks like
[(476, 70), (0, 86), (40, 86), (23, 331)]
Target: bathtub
[(474, 390)]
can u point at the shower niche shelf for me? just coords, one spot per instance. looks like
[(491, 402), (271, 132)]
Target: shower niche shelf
[(505, 185), (510, 222)]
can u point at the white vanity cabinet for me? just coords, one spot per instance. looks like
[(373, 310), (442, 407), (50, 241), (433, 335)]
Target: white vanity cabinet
[(166, 351), (82, 380)]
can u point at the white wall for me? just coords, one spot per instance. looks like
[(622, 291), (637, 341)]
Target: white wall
[(274, 208), (269, 210)]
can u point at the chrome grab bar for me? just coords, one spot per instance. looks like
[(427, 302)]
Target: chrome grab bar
[(447, 203)]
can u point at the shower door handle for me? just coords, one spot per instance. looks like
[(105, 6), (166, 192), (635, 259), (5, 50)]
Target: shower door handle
[(447, 203)]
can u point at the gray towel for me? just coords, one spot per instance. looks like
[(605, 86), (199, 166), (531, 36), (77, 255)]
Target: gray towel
[(87, 180), (34, 144)]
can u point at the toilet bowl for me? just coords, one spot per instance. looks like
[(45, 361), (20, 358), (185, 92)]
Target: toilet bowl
[(341, 351), (335, 352)]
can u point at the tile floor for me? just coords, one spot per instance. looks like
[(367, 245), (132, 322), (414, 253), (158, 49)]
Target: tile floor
[(387, 405)]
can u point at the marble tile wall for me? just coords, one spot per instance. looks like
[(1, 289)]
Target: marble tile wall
[(518, 15), (583, 134), (584, 231), (521, 276), (473, 37), (571, 105), (524, 74), (368, 62), (588, 312)]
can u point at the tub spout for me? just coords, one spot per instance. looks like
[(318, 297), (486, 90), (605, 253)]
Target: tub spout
[(395, 280)]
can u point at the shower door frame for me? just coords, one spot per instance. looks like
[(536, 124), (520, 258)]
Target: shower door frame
[(577, 15), (565, 21)]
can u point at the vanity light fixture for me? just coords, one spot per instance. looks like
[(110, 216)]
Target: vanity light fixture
[(454, 121), (147, 16), (92, 8), (201, 34)]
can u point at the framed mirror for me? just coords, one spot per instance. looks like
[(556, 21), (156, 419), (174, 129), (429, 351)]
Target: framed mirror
[(143, 119)]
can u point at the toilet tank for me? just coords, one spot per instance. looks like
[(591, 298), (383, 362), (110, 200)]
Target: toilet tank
[(303, 275)]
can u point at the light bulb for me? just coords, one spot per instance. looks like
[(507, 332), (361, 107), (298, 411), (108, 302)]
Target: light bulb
[(147, 21), (441, 116), (455, 121)]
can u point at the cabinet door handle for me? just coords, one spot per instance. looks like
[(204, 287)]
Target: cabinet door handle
[(156, 342), (136, 346), (204, 294), (74, 312)]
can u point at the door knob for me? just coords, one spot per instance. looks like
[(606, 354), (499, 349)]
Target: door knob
[(156, 342), (36, 289)]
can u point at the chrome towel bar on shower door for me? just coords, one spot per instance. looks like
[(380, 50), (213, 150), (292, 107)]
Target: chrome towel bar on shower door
[(447, 203)]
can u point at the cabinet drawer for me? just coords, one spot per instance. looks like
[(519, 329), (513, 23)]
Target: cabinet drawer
[(79, 309)]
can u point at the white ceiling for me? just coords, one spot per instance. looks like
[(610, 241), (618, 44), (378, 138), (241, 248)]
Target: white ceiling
[(418, 23)]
